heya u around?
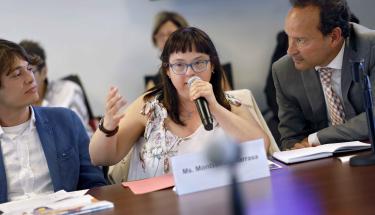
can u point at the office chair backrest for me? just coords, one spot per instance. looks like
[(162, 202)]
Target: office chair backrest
[(92, 119), (247, 99)]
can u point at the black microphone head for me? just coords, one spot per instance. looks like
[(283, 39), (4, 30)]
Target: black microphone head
[(208, 126), (192, 79)]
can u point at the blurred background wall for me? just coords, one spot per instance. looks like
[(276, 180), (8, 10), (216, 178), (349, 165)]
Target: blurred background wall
[(109, 42)]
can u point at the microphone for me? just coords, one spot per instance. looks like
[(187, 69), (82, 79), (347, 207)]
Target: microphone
[(359, 75), (202, 107), (225, 151)]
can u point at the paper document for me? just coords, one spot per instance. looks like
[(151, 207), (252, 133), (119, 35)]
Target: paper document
[(322, 151), (273, 165), (60, 202), (345, 159), (150, 184)]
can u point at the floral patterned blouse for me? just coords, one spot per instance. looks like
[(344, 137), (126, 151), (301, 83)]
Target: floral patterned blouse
[(152, 153)]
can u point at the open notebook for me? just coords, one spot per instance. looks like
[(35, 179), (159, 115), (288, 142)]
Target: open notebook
[(61, 202), (322, 151)]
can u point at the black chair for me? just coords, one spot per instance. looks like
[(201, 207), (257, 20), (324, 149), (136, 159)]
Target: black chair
[(228, 73), (93, 120)]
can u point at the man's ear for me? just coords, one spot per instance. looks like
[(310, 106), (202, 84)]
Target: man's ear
[(336, 36)]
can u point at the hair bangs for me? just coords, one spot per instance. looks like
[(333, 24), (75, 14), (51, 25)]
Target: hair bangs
[(186, 41)]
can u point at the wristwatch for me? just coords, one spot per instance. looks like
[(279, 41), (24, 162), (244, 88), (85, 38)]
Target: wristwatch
[(109, 133)]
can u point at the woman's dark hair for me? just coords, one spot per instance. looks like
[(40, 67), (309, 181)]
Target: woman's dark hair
[(164, 16), (9, 51), (187, 40), (333, 13)]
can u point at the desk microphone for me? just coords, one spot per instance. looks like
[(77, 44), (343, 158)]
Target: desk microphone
[(225, 151), (202, 107), (359, 75)]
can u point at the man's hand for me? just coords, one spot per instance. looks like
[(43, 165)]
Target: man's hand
[(303, 144)]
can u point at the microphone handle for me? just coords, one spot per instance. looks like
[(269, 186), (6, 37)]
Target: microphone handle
[(204, 113), (236, 196)]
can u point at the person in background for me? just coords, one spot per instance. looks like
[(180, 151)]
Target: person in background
[(42, 149), (164, 121), (56, 93), (318, 101), (166, 22)]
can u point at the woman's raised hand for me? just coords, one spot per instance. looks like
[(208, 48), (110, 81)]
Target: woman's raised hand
[(114, 103)]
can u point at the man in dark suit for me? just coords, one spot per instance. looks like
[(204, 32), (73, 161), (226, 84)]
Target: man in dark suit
[(42, 150), (318, 101)]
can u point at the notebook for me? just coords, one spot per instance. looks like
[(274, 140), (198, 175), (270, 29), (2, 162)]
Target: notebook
[(57, 203), (322, 151)]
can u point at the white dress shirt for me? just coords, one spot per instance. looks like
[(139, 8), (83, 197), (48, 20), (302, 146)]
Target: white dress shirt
[(335, 64), (24, 161)]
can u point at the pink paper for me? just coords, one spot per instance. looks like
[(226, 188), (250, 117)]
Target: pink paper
[(150, 184)]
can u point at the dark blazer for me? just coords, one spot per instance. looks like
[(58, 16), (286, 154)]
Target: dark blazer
[(302, 108), (65, 145)]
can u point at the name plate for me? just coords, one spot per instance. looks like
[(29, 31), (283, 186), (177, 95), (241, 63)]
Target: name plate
[(194, 172)]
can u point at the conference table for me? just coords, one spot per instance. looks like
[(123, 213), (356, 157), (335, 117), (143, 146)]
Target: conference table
[(325, 186)]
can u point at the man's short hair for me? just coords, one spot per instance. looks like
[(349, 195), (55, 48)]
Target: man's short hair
[(333, 13), (9, 52)]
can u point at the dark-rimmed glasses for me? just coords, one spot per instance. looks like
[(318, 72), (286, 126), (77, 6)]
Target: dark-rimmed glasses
[(181, 68)]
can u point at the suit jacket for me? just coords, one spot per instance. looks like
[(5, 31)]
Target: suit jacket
[(65, 144), (302, 108)]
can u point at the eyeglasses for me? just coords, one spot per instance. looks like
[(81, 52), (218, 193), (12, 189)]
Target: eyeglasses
[(197, 66)]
